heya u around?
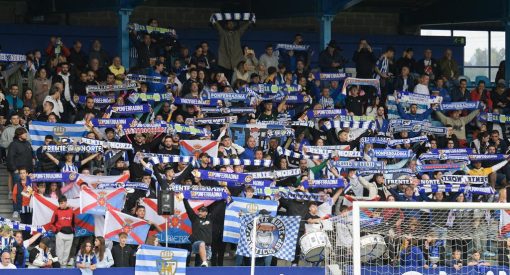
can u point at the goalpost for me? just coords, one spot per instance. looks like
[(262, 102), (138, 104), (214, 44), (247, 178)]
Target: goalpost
[(414, 238)]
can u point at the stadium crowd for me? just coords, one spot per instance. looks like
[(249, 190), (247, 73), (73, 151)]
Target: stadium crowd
[(330, 120)]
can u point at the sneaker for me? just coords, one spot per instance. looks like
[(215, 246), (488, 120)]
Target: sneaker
[(70, 262), (204, 264), (15, 215)]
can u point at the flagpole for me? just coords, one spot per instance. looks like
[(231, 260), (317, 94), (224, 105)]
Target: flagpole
[(166, 230), (253, 238)]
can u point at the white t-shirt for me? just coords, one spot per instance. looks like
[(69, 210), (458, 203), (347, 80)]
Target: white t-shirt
[(421, 89), (10, 266)]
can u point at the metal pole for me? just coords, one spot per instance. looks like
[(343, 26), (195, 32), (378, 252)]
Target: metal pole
[(254, 245), (325, 30), (123, 36), (507, 50), (356, 246), (166, 230)]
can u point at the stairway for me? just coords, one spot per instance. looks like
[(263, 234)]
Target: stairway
[(5, 203)]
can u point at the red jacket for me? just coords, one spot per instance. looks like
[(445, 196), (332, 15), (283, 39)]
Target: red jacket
[(62, 221)]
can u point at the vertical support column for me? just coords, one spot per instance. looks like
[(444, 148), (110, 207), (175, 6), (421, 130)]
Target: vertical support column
[(325, 30), (507, 48), (123, 36)]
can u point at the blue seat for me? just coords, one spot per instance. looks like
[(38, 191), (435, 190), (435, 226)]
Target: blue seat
[(484, 78)]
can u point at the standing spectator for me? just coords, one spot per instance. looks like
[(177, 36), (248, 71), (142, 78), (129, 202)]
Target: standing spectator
[(500, 74), (382, 69), (54, 98), (201, 233), (77, 58), (146, 50), (209, 55), (97, 52), (15, 102), (448, 67), (103, 254), (229, 50), (21, 197), (364, 59), (19, 154), (406, 60), (56, 47), (500, 98), (269, 58), (458, 123), (123, 254), (427, 65), (42, 85), (62, 223), (330, 59), (86, 260)]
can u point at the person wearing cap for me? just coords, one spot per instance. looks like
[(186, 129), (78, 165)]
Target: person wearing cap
[(201, 233), (41, 257), (330, 59)]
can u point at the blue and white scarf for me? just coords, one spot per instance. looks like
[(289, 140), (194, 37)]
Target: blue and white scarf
[(331, 76), (247, 162), (325, 113), (395, 142), (211, 120), (465, 179), (359, 165), (110, 88), (196, 192), (361, 81), (129, 109), (292, 47), (391, 153), (11, 57), (231, 110), (232, 16), (293, 195), (323, 183), (149, 97), (497, 118), (464, 105), (148, 78), (71, 148), (425, 168), (419, 98), (222, 176), (195, 101), (16, 226), (112, 122), (185, 129), (100, 100)]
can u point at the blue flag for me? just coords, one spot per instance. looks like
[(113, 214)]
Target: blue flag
[(160, 260)]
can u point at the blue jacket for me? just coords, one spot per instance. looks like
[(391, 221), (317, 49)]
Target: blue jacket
[(412, 256), (13, 108)]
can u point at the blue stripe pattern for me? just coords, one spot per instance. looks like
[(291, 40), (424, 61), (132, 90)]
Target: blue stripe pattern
[(39, 129), (148, 253), (246, 206)]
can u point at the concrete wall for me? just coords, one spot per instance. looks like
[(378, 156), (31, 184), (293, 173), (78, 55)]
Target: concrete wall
[(196, 17)]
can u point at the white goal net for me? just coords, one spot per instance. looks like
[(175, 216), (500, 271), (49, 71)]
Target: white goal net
[(414, 238)]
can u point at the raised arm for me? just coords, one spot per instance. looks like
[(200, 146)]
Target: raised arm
[(89, 158), (52, 158)]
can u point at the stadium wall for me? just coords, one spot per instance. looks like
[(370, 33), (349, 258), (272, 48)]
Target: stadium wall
[(20, 38)]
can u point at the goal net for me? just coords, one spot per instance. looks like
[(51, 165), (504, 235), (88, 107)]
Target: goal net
[(414, 238)]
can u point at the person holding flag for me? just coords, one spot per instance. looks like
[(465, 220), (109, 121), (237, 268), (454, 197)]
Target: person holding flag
[(201, 233)]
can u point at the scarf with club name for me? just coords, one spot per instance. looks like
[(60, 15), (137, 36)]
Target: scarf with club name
[(461, 188), (358, 165), (150, 79), (111, 88), (395, 142), (391, 153), (211, 120), (72, 148), (128, 109), (143, 128), (325, 113), (231, 110), (127, 185), (112, 122), (468, 105), (425, 168), (331, 76), (277, 174), (197, 192), (414, 98), (100, 100), (297, 155), (301, 196), (465, 179), (403, 171), (222, 176), (292, 47), (108, 144), (189, 130), (323, 183), (195, 101), (337, 124)]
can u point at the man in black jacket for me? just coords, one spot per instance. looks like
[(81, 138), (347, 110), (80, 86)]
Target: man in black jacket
[(123, 255), (19, 152), (364, 59), (201, 232)]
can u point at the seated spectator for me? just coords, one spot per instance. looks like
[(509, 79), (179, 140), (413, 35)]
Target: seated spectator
[(41, 257), (476, 260), (6, 261)]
